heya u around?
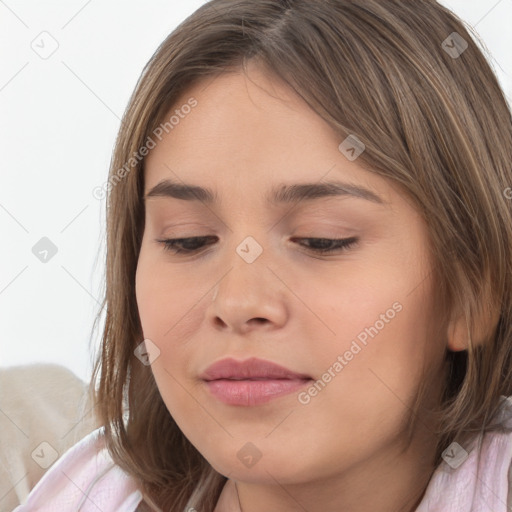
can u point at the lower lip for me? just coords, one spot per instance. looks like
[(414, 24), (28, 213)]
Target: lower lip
[(253, 392)]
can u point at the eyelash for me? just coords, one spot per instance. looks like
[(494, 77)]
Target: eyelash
[(343, 244)]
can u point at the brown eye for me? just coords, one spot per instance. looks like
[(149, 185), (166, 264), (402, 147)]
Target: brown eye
[(328, 245), (185, 245), (193, 245)]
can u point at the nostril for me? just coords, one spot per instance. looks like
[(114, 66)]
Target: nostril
[(220, 322)]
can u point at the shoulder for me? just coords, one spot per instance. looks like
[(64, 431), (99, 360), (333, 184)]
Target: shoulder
[(475, 477), (40, 404), (84, 479), (509, 500)]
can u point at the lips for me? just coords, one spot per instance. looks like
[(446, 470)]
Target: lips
[(251, 382), (252, 368)]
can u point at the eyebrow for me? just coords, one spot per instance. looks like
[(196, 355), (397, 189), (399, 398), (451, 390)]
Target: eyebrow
[(283, 193)]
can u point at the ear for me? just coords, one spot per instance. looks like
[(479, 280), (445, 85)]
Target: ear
[(484, 326), (457, 335)]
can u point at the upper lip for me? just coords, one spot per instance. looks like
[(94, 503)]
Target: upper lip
[(252, 368)]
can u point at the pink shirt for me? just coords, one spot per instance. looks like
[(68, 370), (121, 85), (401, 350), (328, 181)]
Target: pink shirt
[(85, 479)]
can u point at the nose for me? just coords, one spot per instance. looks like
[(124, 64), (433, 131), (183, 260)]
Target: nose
[(248, 296)]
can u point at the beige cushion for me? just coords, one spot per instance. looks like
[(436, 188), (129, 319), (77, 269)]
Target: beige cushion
[(44, 410)]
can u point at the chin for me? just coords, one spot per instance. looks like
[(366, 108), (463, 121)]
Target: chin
[(265, 471)]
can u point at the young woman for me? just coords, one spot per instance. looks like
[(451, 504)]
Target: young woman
[(309, 271)]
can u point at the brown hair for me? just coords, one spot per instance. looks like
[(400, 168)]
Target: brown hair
[(434, 121)]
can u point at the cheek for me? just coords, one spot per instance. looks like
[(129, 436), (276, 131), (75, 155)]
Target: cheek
[(381, 325), (168, 319), (152, 298), (170, 314), (167, 302)]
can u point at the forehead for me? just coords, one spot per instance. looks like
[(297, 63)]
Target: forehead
[(248, 129), (244, 108)]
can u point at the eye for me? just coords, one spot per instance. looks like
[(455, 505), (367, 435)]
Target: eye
[(185, 245), (328, 245), (318, 245)]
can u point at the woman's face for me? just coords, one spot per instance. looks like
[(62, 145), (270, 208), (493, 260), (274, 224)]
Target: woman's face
[(356, 321)]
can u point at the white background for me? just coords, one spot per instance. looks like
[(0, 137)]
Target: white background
[(59, 119)]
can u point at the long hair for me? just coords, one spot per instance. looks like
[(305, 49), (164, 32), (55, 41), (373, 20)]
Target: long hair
[(406, 78)]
